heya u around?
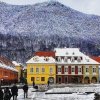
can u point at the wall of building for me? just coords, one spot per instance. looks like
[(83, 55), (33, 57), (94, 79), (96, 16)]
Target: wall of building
[(40, 74), (8, 76), (19, 68)]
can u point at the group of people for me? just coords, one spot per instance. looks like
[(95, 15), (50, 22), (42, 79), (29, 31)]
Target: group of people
[(7, 93)]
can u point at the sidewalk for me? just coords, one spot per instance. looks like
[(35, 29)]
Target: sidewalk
[(21, 94)]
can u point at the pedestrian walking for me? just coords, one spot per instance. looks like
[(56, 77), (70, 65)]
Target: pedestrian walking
[(25, 89), (14, 91), (1, 94), (7, 94)]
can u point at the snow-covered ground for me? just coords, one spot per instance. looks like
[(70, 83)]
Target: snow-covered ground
[(78, 95)]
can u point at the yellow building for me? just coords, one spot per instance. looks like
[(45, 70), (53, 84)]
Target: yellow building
[(40, 70), (19, 67), (91, 73)]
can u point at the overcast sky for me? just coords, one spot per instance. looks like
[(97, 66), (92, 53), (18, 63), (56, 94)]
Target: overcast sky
[(86, 6)]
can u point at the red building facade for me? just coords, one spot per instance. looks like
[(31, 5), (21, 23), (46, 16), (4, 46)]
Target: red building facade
[(69, 68), (67, 73), (8, 74)]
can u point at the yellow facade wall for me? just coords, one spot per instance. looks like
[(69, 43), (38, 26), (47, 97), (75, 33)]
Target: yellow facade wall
[(90, 73), (19, 72), (37, 76)]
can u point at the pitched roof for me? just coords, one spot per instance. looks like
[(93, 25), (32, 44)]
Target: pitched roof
[(67, 52), (6, 64), (96, 58), (6, 61), (74, 52), (42, 60), (45, 53)]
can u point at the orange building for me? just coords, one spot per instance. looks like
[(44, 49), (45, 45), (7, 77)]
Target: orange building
[(8, 74)]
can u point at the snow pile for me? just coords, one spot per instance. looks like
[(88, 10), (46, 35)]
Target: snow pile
[(81, 89)]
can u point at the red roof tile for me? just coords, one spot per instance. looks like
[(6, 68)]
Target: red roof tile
[(6, 61), (96, 58), (45, 53)]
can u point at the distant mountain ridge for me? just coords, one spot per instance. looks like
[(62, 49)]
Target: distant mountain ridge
[(44, 26)]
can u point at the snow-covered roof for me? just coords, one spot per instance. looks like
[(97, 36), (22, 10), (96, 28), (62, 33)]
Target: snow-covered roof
[(15, 63), (7, 67), (7, 64), (67, 52), (37, 59), (73, 52)]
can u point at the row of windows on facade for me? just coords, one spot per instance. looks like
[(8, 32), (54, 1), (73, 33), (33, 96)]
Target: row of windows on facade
[(38, 78), (66, 59), (72, 70), (79, 69), (59, 70), (37, 59), (42, 70)]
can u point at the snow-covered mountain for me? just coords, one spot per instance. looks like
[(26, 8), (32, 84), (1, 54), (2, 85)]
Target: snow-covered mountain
[(43, 26)]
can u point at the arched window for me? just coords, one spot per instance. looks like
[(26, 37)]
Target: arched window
[(65, 59), (79, 59), (72, 59), (59, 59)]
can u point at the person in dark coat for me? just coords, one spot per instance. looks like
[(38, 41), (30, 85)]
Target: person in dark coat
[(14, 91), (1, 94), (7, 94), (25, 89)]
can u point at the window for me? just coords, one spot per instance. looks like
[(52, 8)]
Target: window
[(59, 69), (87, 69), (51, 69), (66, 69), (73, 53), (37, 70), (32, 79), (79, 69), (37, 79), (43, 70), (46, 59), (72, 59), (79, 59), (42, 78), (66, 53), (94, 70), (65, 59), (73, 69), (59, 59), (31, 70)]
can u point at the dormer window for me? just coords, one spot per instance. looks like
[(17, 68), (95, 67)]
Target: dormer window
[(72, 59), (36, 59), (59, 59), (66, 53), (62, 60), (73, 53), (87, 60), (46, 59), (79, 59), (65, 59)]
